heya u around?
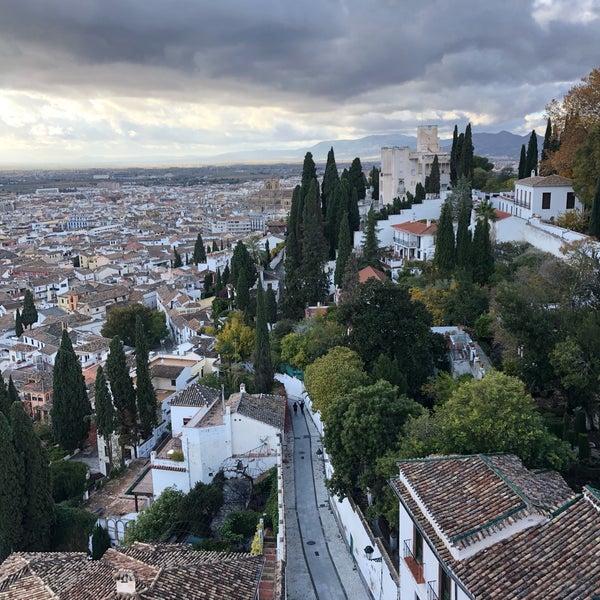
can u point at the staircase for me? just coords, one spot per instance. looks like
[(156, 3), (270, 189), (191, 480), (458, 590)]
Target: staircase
[(269, 586)]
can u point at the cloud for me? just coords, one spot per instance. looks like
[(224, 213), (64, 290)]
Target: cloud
[(146, 75)]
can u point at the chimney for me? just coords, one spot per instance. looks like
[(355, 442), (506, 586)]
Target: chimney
[(533, 172), (125, 584), (242, 388), (428, 223)]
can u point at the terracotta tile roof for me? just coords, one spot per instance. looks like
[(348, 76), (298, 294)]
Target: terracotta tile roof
[(166, 371), (173, 571), (371, 273), (417, 227), (553, 557), (196, 395)]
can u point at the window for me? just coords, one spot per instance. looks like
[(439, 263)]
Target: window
[(186, 420), (418, 546), (173, 382), (545, 200), (445, 588), (570, 199)]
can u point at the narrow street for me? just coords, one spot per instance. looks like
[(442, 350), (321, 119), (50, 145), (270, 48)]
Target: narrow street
[(319, 565)]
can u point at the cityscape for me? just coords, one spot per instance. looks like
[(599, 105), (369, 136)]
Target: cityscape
[(299, 303)]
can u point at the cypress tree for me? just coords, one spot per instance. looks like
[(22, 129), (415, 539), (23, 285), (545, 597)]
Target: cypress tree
[(199, 255), (37, 504), (218, 282), (595, 214), (374, 182), (267, 253), (353, 212), (350, 284), (309, 174), (18, 324), (357, 178), (270, 306), (4, 400), (104, 411), (314, 251), (532, 154), (147, 404), (263, 369), (70, 404), (100, 542), (453, 157), (29, 316), (434, 176), (463, 239), (123, 393), (523, 164), (419, 193), (546, 147), (344, 250), (459, 145), (13, 394), (177, 262), (370, 246), (242, 261), (215, 246), (331, 179), (11, 493), (225, 279), (466, 155), (242, 292), (483, 257), (444, 257)]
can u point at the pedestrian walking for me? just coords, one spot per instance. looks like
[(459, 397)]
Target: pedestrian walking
[(295, 407), (302, 406)]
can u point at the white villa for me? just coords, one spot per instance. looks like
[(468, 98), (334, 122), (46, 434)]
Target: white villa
[(241, 436)]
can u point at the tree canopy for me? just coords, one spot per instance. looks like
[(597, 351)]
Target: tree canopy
[(121, 320)]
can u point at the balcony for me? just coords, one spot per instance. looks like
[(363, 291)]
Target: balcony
[(431, 593), (414, 565), (407, 242)]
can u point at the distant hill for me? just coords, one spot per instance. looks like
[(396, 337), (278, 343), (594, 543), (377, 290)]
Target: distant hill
[(504, 145)]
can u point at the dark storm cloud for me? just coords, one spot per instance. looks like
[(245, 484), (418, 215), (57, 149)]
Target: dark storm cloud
[(329, 49)]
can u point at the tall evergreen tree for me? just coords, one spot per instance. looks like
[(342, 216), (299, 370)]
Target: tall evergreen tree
[(147, 404), (226, 278), (11, 390), (331, 179), (357, 178), (309, 174), (199, 255), (374, 183), (463, 239), (483, 257), (215, 246), (270, 306), (70, 404), (444, 257), (523, 164), (18, 324), (105, 417), (29, 316), (267, 255), (242, 292), (350, 284), (242, 261), (595, 214), (433, 179), (454, 157), (353, 211), (37, 504), (344, 250), (419, 193), (11, 492), (547, 140), (532, 154), (177, 262), (263, 369), (4, 400), (218, 282), (314, 250), (466, 155), (370, 245), (123, 393)]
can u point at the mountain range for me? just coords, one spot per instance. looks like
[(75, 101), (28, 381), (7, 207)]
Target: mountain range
[(503, 145)]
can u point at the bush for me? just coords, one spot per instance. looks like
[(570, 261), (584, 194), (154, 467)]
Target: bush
[(177, 455), (100, 542), (68, 480), (584, 446), (238, 528), (72, 529)]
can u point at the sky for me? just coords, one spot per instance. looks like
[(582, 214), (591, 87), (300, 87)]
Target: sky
[(126, 82)]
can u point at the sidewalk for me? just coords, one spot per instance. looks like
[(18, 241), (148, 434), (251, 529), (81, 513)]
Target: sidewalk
[(319, 565)]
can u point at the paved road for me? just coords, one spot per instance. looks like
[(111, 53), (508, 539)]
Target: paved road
[(319, 565)]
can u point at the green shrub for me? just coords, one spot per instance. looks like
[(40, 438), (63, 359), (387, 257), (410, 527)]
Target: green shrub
[(584, 446), (238, 528), (68, 480), (177, 456), (72, 529)]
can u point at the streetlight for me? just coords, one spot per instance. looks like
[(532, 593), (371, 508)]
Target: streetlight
[(369, 554)]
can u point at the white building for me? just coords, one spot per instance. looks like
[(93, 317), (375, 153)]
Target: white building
[(402, 168), (545, 197), (415, 240), (241, 436), (483, 527)]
